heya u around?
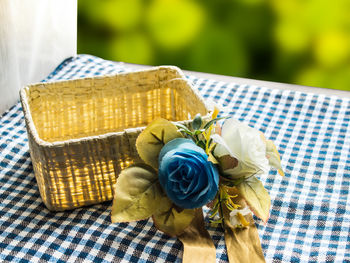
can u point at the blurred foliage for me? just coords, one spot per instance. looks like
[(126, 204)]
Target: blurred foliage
[(305, 42)]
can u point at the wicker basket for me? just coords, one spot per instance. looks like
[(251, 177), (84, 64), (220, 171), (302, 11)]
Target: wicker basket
[(82, 132)]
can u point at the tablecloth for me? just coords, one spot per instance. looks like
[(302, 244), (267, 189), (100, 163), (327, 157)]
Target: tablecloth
[(310, 210)]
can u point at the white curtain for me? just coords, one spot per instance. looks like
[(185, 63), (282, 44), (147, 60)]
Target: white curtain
[(35, 36)]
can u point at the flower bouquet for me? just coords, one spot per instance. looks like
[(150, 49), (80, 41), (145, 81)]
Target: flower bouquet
[(188, 167)]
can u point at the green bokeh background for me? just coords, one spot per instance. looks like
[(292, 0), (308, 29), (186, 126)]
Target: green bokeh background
[(304, 42)]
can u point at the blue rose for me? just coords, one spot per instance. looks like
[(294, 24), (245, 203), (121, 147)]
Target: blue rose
[(186, 175)]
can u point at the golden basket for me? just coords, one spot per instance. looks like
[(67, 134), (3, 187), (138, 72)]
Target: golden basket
[(82, 132)]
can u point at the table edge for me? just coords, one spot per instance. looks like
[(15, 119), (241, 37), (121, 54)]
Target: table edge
[(255, 82)]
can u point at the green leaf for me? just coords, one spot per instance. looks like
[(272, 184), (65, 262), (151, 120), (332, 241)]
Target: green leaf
[(208, 124), (137, 194), (181, 126), (172, 222), (186, 131), (273, 156), (214, 210), (256, 196), (216, 222), (197, 132), (201, 144), (197, 122), (153, 138)]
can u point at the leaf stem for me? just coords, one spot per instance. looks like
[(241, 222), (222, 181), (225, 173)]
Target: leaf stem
[(221, 210)]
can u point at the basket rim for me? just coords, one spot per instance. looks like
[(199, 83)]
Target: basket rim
[(33, 131), (153, 68)]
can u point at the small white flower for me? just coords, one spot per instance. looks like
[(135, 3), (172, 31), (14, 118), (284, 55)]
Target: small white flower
[(245, 144), (234, 220)]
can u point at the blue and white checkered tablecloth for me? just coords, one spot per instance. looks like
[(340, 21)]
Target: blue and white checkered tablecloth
[(310, 213)]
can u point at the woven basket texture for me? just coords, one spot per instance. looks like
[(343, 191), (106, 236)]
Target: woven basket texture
[(82, 132)]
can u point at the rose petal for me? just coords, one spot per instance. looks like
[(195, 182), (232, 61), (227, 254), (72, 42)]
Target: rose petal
[(221, 148), (246, 146), (173, 144), (186, 175)]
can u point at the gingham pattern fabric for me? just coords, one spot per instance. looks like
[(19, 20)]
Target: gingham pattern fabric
[(310, 212)]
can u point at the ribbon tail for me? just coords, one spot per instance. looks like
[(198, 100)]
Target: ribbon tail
[(197, 243), (243, 245)]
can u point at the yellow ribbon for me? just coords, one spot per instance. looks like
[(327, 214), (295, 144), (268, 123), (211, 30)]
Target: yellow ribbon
[(243, 244), (197, 243)]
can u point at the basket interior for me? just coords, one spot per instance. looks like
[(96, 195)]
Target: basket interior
[(94, 106)]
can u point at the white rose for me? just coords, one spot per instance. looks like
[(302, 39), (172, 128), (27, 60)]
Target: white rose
[(245, 145)]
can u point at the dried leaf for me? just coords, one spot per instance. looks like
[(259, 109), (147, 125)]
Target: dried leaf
[(256, 196), (137, 194), (172, 222), (273, 156), (153, 138)]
